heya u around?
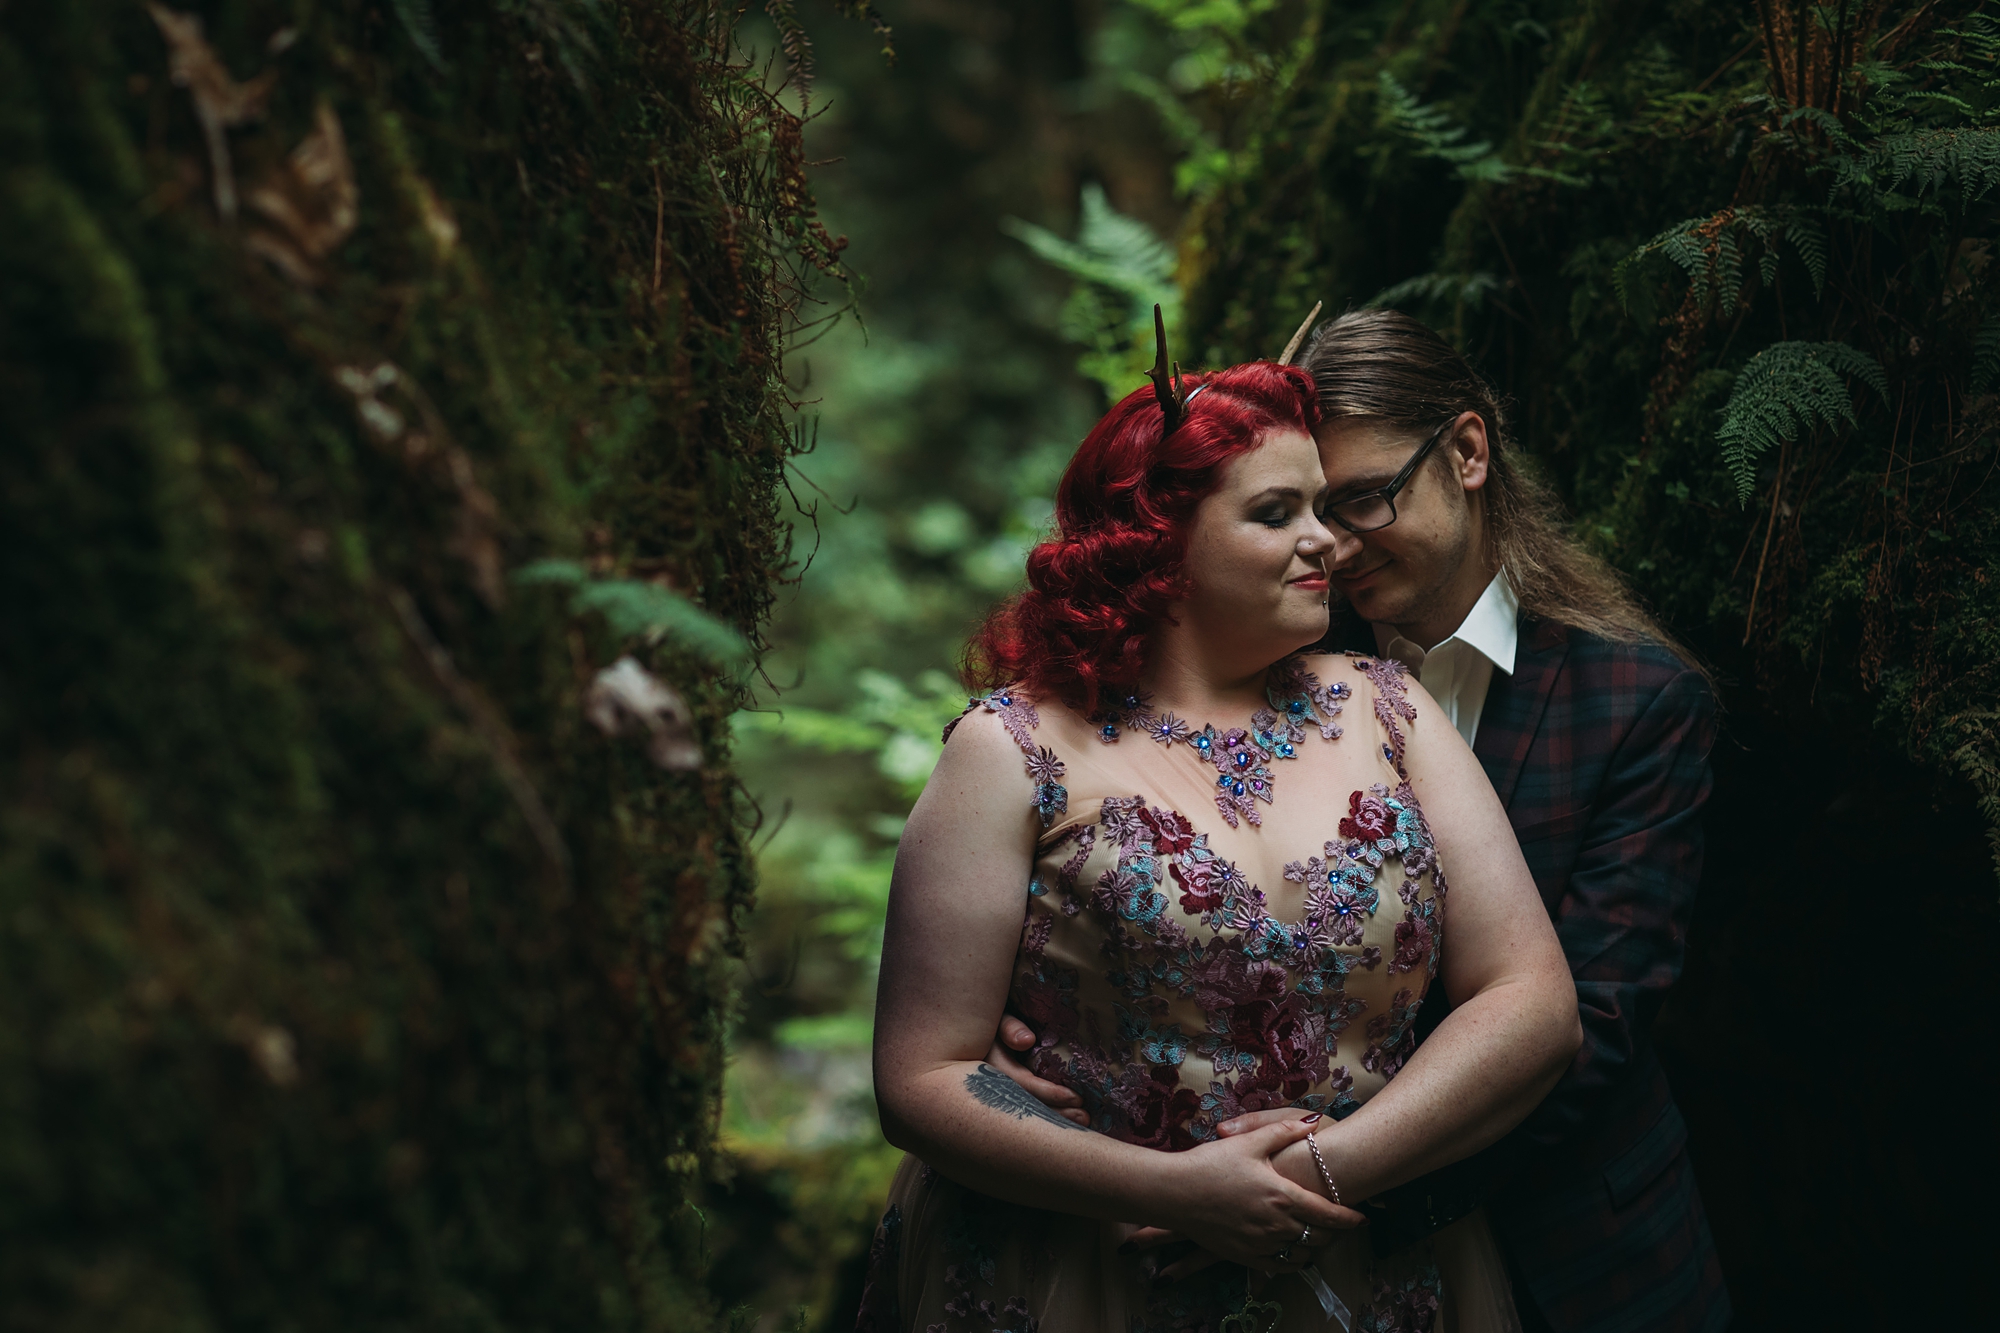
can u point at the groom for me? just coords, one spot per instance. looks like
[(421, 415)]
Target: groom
[(1595, 730)]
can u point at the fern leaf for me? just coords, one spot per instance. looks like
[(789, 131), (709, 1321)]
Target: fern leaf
[(1786, 389), (1985, 355), (421, 24), (1621, 272), (1808, 238), (1123, 270), (632, 608), (1112, 250), (1434, 135), (1467, 290), (1728, 271), (1926, 159)]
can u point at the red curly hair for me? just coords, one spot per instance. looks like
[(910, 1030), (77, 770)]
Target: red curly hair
[(1116, 564)]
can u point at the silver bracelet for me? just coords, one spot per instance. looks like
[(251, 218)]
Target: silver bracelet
[(1312, 1141)]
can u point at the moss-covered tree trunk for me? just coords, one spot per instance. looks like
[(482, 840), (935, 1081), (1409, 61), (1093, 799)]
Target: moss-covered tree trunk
[(350, 977)]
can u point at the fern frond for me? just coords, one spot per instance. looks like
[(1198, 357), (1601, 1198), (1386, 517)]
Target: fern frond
[(1467, 290), (1122, 271), (1788, 388), (1727, 271), (1808, 238), (1929, 160), (632, 608), (1985, 355), (1824, 121), (1707, 250), (1620, 273), (421, 24), (1110, 249), (1435, 135)]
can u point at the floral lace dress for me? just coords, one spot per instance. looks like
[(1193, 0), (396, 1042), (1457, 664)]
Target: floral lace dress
[(1173, 992)]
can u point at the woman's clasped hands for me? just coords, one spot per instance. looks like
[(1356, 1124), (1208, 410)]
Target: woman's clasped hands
[(1233, 1201)]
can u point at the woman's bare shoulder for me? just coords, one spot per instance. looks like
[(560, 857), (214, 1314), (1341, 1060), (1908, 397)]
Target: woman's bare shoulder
[(989, 732), (985, 773)]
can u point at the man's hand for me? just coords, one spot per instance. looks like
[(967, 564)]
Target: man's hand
[(1014, 1036), (1250, 1120)]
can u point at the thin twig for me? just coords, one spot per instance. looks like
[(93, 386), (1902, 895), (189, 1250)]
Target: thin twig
[(1777, 498), (1728, 64), (490, 729), (659, 228)]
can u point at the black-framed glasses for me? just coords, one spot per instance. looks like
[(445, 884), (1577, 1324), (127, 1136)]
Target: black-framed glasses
[(1376, 510)]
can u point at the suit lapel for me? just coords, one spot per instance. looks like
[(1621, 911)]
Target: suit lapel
[(1515, 704)]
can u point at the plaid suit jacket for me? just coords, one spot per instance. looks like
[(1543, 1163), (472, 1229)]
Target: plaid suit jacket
[(1599, 751)]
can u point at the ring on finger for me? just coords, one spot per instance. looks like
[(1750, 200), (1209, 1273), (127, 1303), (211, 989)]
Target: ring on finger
[(1305, 1238)]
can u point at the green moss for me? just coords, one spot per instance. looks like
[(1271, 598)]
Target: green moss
[(348, 977)]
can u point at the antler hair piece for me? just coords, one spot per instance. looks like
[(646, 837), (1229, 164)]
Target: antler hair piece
[(1166, 379), (1285, 357)]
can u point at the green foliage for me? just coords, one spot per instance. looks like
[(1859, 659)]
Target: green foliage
[(1122, 271), (1927, 161), (421, 25), (1677, 249), (1708, 251), (1985, 356), (349, 977), (635, 609), (1789, 388), (1432, 134)]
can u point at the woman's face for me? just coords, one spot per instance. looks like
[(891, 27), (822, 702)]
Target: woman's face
[(1257, 551)]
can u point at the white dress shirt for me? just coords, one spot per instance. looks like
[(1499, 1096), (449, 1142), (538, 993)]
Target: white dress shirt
[(1458, 671)]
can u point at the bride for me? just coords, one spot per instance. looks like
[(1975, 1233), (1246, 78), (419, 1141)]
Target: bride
[(1211, 872)]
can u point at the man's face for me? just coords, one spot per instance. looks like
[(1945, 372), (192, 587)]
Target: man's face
[(1419, 568)]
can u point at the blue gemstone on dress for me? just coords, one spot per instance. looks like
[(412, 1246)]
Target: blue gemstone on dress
[(1295, 707), (1242, 759), (1286, 751), (1006, 700), (1109, 733), (1237, 788)]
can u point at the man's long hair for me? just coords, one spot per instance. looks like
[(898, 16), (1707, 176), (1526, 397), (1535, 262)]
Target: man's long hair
[(1382, 365)]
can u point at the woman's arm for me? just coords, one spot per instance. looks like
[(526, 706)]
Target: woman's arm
[(956, 905), (1513, 1027)]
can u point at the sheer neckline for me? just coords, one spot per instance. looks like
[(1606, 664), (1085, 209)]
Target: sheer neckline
[(1242, 758)]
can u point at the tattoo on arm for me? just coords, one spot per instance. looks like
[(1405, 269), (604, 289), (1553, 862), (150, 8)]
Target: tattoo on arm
[(990, 1087)]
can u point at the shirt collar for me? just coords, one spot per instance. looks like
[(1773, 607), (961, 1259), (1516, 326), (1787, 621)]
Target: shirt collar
[(1492, 628)]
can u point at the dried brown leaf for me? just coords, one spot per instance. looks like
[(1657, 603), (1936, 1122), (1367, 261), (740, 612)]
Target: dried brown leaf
[(220, 102), (311, 200)]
